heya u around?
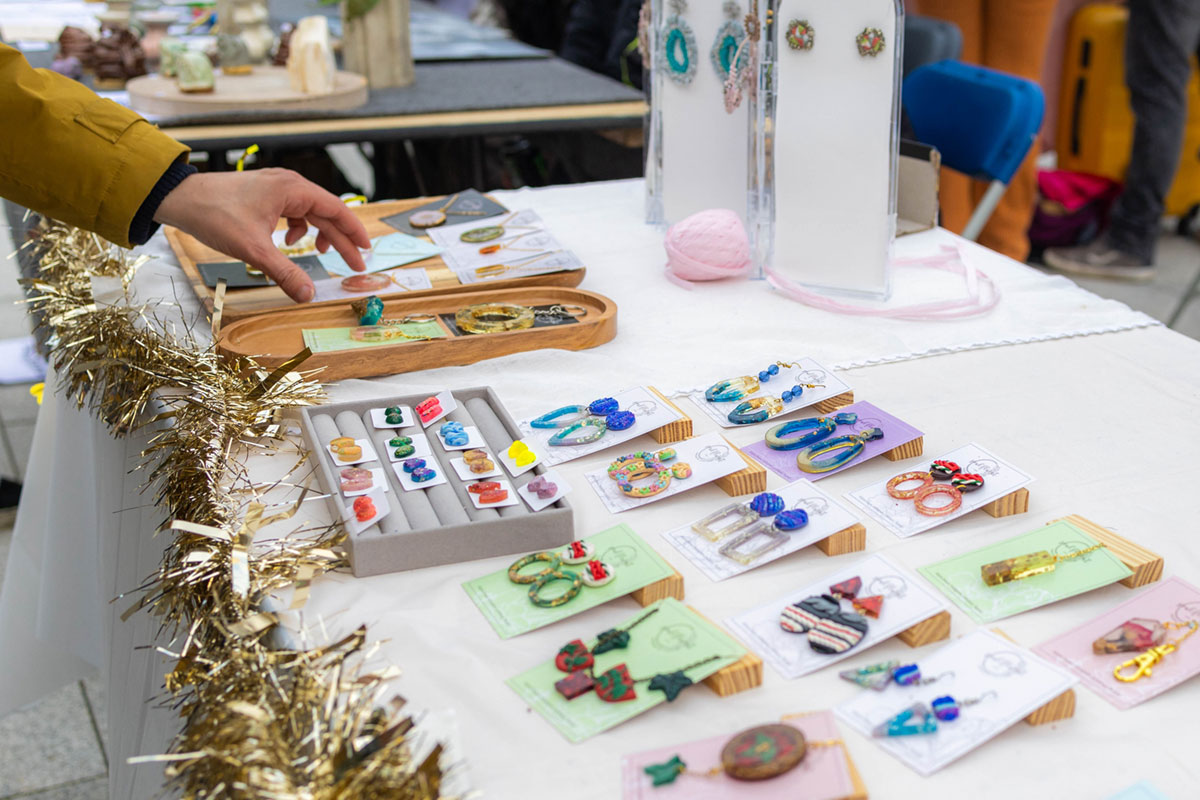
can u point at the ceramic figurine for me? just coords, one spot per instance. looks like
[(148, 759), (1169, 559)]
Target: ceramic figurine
[(170, 50), (195, 72), (233, 54), (310, 64)]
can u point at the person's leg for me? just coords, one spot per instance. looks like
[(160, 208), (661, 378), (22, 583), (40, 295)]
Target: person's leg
[(1014, 41), (954, 191), (1159, 42)]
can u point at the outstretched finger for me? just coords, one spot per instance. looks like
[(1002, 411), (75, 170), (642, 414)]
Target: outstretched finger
[(293, 280), (313, 202), (332, 235), (297, 227)]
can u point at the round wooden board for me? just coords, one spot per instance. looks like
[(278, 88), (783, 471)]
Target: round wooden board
[(266, 88)]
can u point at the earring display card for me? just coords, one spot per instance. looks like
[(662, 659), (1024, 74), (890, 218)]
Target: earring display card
[(901, 516), (329, 340), (823, 774), (367, 454), (515, 246), (464, 471), (377, 480), (907, 601), (510, 224), (809, 371), (420, 445), (1009, 681), (1174, 601), (379, 418), (409, 485), (650, 413), (538, 503), (236, 276), (959, 578), (355, 510), (479, 206), (403, 279), (521, 265), (709, 456), (387, 252), (671, 639), (507, 607), (825, 517), (895, 433)]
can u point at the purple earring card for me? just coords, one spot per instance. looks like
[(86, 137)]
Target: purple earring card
[(896, 432), (1173, 601), (822, 775)]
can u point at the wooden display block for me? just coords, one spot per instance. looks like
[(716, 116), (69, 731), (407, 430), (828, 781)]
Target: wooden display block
[(934, 629), (907, 450), (746, 673), (671, 586), (678, 430), (1147, 565), (751, 480), (831, 404), (1015, 503), (848, 540), (1060, 708)]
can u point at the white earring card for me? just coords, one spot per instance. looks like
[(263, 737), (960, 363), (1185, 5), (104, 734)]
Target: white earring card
[(828, 110), (697, 158)]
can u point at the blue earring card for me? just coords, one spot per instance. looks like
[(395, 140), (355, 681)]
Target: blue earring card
[(506, 605), (826, 517), (670, 638), (907, 601), (901, 516), (809, 371), (711, 457), (896, 432), (649, 411), (1009, 681)]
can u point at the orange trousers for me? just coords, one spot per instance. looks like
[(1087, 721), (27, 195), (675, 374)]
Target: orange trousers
[(1010, 36)]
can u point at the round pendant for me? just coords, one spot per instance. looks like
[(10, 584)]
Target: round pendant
[(429, 218), (485, 234), (366, 283), (763, 752)]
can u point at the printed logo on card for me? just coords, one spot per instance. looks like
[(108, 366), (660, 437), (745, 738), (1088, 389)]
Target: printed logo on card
[(812, 376), (643, 408), (621, 555), (984, 466), (1186, 612), (713, 453), (680, 636), (815, 506), (1065, 549), (888, 586), (1003, 664)]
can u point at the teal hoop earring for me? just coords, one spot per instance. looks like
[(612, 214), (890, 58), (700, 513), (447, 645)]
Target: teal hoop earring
[(780, 437), (730, 35), (677, 54), (848, 448)]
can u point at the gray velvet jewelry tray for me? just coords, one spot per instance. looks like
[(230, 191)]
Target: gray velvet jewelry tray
[(438, 525)]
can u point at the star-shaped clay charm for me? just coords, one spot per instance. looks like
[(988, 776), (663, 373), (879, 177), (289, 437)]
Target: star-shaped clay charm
[(666, 772), (670, 684)]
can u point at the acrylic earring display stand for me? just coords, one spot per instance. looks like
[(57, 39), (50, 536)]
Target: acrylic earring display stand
[(696, 156), (825, 132)]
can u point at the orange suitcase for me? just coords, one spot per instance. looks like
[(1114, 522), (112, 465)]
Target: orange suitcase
[(1095, 124)]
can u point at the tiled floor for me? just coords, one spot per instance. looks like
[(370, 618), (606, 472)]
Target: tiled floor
[(54, 749)]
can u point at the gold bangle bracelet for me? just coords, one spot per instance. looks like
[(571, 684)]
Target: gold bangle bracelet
[(493, 318)]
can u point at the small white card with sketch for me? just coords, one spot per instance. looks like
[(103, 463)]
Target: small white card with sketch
[(1008, 681), (901, 516), (649, 411), (553, 261), (709, 456), (512, 223), (512, 248), (907, 600), (808, 371), (825, 517)]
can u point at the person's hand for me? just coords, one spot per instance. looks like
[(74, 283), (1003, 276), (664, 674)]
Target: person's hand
[(236, 213)]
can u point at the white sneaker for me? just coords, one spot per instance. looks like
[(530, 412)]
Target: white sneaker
[(1098, 260)]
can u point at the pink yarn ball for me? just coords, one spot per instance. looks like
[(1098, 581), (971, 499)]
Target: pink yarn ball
[(707, 246)]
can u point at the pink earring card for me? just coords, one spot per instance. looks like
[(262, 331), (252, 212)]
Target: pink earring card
[(1172, 600)]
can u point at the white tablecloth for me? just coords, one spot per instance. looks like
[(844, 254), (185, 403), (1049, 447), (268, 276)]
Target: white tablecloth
[(1100, 420)]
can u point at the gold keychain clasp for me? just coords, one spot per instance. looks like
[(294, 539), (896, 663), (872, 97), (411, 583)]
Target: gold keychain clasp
[(1142, 663)]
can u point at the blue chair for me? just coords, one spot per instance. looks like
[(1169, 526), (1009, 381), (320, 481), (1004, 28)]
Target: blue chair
[(982, 121)]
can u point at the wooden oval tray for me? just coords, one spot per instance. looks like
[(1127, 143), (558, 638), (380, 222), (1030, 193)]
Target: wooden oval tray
[(266, 88), (243, 303), (273, 338)]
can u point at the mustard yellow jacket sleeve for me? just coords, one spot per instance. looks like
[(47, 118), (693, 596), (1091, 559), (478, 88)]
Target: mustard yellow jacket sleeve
[(73, 156)]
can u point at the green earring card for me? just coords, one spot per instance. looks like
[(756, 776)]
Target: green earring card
[(507, 607), (959, 578), (673, 638)]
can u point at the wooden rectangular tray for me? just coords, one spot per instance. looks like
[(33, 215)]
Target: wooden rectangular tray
[(271, 339), (242, 303)]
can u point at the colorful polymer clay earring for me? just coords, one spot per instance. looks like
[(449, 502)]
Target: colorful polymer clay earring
[(960, 483), (783, 436), (850, 447), (756, 754), (594, 573), (772, 533), (636, 466), (730, 35), (767, 504), (880, 676), (677, 54), (830, 629), (573, 422), (919, 718), (870, 42), (800, 35)]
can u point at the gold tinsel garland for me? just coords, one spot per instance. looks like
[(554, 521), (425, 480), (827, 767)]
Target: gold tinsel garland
[(258, 722)]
